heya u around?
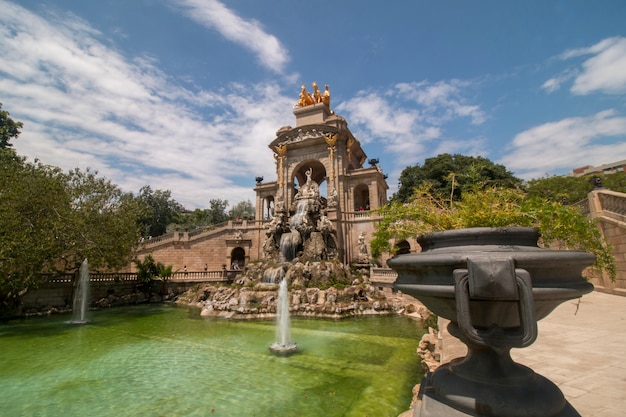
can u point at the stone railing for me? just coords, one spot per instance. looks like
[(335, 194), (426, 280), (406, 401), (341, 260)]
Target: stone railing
[(118, 277), (612, 202), (59, 279), (209, 228), (608, 204), (185, 236), (204, 276), (152, 240), (365, 215), (384, 277)]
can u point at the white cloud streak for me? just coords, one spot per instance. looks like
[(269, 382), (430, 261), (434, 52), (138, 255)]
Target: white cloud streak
[(604, 72), (85, 104), (408, 116), (247, 33), (559, 146)]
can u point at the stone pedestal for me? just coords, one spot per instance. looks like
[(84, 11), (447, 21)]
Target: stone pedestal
[(493, 285)]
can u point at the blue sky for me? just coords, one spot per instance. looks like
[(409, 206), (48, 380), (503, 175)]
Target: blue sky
[(185, 95)]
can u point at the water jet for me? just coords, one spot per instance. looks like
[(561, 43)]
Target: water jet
[(283, 346), (81, 295)]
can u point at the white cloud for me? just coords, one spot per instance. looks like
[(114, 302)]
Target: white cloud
[(410, 115), (395, 128), (379, 115), (247, 33), (442, 101), (554, 83), (603, 72), (606, 71), (558, 146), (85, 104)]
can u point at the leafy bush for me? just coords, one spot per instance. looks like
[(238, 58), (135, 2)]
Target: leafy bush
[(560, 226), (149, 271)]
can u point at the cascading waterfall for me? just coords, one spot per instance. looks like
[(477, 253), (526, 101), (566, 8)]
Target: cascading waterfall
[(81, 295), (273, 275), (289, 243), (301, 211), (283, 344)]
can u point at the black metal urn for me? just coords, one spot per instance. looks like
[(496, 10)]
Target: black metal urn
[(493, 284)]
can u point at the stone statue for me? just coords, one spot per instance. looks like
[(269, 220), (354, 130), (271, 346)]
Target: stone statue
[(310, 189), (274, 225), (317, 96), (279, 204), (332, 198), (324, 225), (302, 101), (326, 96), (306, 99), (363, 257)]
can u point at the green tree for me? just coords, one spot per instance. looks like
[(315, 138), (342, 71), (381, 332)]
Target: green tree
[(559, 188), (426, 212), (615, 181), (449, 175), (9, 129), (571, 189), (104, 222), (217, 211), (34, 208), (201, 218), (191, 220), (51, 220), (242, 210), (149, 272), (161, 210)]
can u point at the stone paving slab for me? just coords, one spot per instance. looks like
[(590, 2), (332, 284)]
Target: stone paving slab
[(581, 347)]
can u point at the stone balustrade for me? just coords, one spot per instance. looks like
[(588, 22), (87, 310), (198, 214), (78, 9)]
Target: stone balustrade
[(383, 277), (614, 203), (57, 291)]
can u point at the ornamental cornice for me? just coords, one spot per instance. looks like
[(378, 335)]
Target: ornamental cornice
[(302, 134)]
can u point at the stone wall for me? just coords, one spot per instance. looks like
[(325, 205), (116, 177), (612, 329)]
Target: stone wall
[(214, 247), (211, 248), (58, 293), (615, 233), (608, 209)]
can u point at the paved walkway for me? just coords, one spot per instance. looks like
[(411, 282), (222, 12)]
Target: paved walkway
[(581, 347)]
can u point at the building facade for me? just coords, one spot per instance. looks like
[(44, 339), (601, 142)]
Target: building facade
[(321, 147)]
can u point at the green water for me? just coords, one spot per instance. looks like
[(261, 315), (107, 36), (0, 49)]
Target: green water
[(167, 361)]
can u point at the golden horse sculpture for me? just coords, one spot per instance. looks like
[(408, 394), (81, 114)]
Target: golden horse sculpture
[(306, 98)]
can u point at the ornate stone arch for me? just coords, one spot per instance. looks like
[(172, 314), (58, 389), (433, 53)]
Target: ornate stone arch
[(318, 172)]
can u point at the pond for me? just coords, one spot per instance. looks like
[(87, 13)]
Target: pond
[(163, 360)]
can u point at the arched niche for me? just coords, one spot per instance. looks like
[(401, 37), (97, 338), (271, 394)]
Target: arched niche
[(318, 174), (361, 197), (403, 247), (237, 256), (268, 207)]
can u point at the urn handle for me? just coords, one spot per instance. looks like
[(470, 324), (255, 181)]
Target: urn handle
[(495, 279)]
